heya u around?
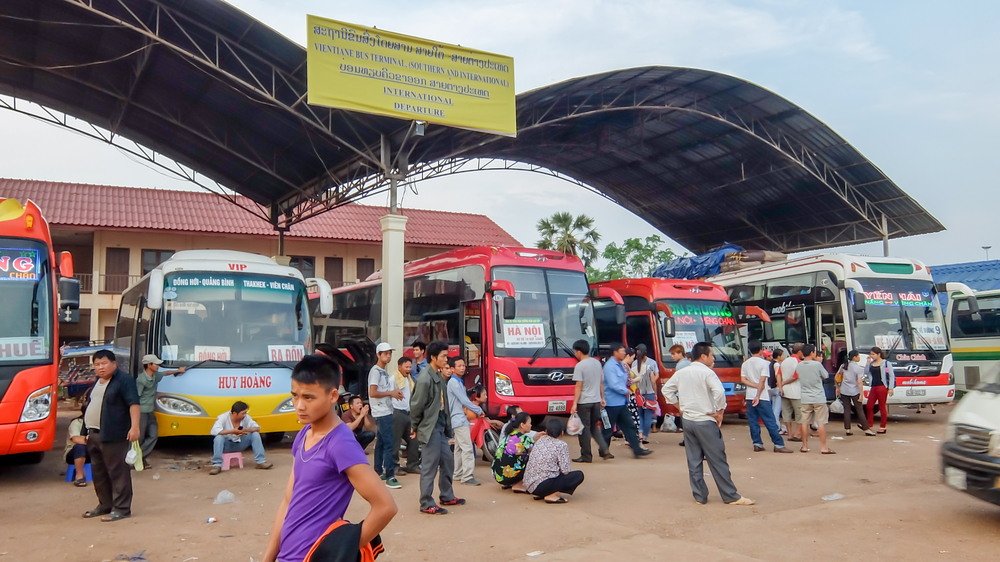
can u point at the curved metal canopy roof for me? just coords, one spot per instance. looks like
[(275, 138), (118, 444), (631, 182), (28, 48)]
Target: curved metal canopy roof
[(704, 157)]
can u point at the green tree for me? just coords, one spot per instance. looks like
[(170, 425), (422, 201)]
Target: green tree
[(634, 258), (570, 235)]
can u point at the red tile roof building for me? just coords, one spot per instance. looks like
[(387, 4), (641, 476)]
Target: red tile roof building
[(127, 208)]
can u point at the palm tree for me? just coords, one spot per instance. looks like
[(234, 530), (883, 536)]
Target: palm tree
[(570, 235)]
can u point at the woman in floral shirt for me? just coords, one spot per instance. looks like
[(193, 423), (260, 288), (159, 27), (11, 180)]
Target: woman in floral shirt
[(548, 472), (512, 454)]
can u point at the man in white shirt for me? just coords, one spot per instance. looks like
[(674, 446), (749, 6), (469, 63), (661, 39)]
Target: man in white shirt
[(699, 395), (382, 391), (234, 431), (754, 375), (791, 399)]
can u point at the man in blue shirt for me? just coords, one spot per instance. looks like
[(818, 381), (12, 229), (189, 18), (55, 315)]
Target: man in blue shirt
[(419, 359), (616, 395)]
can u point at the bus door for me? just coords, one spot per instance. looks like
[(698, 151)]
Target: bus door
[(639, 329), (472, 342)]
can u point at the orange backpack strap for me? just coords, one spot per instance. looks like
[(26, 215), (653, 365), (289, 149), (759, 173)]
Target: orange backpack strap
[(336, 524)]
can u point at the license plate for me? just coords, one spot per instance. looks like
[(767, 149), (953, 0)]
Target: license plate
[(955, 478), (556, 406), (916, 392)]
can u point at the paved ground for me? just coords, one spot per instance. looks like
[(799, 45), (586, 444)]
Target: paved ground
[(894, 507)]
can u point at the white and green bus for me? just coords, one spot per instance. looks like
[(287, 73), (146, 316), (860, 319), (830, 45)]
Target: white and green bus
[(975, 341)]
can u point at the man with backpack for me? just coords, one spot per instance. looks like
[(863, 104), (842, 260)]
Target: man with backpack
[(754, 375)]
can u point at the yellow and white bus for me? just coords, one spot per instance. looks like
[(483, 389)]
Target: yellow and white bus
[(840, 302), (975, 340), (239, 322)]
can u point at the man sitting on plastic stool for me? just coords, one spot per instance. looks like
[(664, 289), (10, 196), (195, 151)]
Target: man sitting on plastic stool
[(235, 431)]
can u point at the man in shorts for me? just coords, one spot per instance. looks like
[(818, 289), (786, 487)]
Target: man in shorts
[(811, 374), (791, 399)]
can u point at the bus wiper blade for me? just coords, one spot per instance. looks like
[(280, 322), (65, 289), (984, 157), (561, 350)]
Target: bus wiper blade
[(924, 340), (237, 363), (538, 352), (562, 345)]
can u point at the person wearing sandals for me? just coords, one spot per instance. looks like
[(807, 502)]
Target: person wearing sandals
[(76, 446), (883, 383), (811, 374), (511, 456), (774, 383), (548, 472), (849, 392)]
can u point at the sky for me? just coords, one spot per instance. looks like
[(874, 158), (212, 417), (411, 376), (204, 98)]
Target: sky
[(912, 85)]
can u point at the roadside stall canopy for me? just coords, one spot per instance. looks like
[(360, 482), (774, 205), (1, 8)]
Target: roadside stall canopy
[(213, 95)]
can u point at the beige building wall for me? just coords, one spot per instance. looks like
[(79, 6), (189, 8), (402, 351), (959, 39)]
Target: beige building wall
[(103, 306)]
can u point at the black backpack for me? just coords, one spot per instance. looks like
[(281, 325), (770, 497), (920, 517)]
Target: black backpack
[(772, 381)]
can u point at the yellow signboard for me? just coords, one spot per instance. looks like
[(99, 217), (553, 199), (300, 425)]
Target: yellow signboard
[(366, 69)]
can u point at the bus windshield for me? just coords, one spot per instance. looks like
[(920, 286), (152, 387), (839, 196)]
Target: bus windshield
[(233, 317), (705, 321), (902, 315), (25, 302), (553, 311)]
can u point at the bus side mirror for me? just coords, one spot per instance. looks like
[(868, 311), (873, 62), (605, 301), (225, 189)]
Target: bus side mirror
[(619, 314), (509, 308), (65, 264), (69, 300), (768, 331), (325, 294), (154, 294), (860, 312)]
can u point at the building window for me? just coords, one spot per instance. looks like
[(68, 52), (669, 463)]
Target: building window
[(366, 266), (305, 264), (333, 271), (153, 258)]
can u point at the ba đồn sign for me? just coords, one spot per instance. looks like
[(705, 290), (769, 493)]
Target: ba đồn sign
[(365, 69)]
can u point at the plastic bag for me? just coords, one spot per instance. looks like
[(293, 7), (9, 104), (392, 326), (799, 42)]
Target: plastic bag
[(605, 420), (575, 425), (669, 425), (134, 456), (225, 496), (837, 407)]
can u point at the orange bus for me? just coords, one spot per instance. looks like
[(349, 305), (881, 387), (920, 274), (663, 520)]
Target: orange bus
[(700, 312), (29, 361)]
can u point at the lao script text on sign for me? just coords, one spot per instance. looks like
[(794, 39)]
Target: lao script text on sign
[(373, 71)]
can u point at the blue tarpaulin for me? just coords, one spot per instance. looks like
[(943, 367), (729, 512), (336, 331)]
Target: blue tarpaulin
[(704, 265)]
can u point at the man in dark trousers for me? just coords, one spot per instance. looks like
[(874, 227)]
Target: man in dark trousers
[(430, 417), (588, 399), (699, 395), (112, 421)]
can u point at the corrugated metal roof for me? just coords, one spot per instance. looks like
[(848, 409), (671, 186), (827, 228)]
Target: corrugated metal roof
[(978, 275), (105, 206)]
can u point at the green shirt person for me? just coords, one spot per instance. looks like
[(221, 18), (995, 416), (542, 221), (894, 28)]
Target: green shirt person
[(146, 385)]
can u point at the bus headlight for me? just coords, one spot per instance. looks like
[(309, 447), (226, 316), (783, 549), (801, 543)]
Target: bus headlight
[(740, 388), (178, 406), (502, 384), (38, 406), (286, 407)]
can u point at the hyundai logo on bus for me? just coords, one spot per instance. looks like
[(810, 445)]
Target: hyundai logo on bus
[(913, 368), (557, 376)]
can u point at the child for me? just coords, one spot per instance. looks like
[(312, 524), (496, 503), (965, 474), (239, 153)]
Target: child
[(329, 466)]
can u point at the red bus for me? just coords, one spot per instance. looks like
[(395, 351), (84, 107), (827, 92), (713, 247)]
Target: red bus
[(29, 359), (512, 313), (700, 312)]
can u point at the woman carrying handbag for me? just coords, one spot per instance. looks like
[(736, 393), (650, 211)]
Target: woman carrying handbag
[(644, 375)]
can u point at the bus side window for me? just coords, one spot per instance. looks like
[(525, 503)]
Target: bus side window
[(141, 335), (638, 330)]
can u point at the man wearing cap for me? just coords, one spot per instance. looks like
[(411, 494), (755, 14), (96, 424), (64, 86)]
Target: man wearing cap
[(146, 383), (381, 391)]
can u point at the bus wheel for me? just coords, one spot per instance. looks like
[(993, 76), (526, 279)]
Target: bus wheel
[(742, 415), (273, 438)]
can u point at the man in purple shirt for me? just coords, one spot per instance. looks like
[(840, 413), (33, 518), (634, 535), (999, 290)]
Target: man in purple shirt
[(329, 465)]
